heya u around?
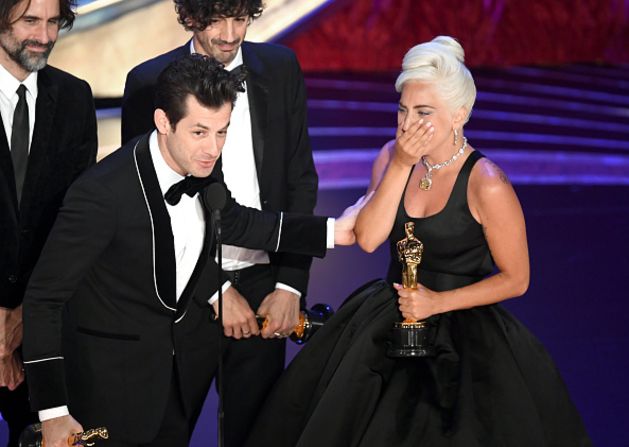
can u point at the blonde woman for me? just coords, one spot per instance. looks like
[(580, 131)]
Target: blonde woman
[(489, 382)]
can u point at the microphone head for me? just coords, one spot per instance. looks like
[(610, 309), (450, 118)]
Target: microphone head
[(215, 196)]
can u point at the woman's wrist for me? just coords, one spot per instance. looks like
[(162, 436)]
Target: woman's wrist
[(441, 302), (400, 166)]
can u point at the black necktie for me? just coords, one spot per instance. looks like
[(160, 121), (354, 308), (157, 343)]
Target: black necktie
[(19, 140), (189, 185)]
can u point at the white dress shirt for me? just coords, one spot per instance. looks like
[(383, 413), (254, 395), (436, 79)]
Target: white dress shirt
[(9, 98), (241, 177), (240, 174), (186, 219)]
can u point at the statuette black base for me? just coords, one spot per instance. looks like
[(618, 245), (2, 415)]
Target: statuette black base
[(412, 340)]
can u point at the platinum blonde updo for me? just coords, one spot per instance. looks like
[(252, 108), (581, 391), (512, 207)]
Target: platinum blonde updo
[(441, 61)]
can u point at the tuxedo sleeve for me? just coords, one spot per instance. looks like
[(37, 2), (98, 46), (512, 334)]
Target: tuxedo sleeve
[(274, 231), (262, 230), (84, 227), (301, 177)]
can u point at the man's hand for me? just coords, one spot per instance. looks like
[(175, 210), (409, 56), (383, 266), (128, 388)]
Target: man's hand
[(10, 331), (344, 224), (56, 431), (11, 372), (281, 310), (238, 319)]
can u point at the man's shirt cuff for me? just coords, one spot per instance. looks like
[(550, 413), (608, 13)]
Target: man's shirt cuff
[(280, 285), (52, 413), (330, 233), (214, 297)]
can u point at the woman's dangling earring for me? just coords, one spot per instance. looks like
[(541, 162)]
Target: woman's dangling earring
[(456, 137)]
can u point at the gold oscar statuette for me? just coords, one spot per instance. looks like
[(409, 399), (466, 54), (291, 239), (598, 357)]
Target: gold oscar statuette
[(32, 437), (410, 338), (310, 321)]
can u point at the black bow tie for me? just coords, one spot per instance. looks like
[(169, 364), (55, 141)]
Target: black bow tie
[(240, 72), (189, 185)]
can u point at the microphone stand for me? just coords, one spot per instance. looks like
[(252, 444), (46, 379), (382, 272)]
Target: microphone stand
[(214, 198), (216, 215)]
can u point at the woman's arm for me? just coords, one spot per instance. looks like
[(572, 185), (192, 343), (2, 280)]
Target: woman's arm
[(380, 165), (396, 159), (495, 206)]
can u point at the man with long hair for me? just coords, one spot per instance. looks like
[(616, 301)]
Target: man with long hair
[(47, 138)]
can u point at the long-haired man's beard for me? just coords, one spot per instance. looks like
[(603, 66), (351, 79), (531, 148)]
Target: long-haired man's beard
[(29, 60)]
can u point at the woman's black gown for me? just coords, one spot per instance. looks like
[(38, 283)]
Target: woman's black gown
[(491, 382)]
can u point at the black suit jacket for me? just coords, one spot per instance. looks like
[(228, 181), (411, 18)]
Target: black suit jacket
[(63, 145), (102, 326), (277, 98)]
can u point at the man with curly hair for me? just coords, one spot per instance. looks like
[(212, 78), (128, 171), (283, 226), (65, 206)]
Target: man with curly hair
[(47, 138), (267, 164)]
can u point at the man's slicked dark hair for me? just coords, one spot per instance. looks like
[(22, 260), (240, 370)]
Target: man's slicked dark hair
[(66, 13), (198, 75), (196, 15)]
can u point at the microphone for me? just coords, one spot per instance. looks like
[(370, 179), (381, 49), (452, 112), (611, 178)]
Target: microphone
[(214, 198)]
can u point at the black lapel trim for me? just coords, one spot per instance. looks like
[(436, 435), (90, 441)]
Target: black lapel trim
[(257, 93), (164, 265), (188, 291), (6, 168)]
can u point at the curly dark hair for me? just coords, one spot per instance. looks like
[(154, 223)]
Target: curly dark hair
[(195, 15), (200, 76), (66, 13)]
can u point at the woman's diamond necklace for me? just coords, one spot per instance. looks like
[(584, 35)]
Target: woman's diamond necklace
[(426, 181)]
